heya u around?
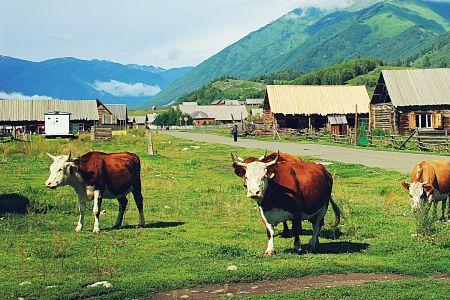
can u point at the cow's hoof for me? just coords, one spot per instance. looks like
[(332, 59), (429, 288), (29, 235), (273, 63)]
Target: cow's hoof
[(78, 229), (96, 230), (269, 253), (300, 251)]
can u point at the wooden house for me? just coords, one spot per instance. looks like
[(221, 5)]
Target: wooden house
[(405, 100), (30, 114), (220, 113), (308, 107), (120, 114)]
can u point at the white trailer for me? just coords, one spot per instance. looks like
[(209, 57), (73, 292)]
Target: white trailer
[(57, 124)]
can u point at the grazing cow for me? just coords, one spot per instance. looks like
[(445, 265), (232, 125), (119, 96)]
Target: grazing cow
[(430, 182), (97, 175), (287, 189)]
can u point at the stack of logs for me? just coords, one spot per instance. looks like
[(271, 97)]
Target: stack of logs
[(101, 133)]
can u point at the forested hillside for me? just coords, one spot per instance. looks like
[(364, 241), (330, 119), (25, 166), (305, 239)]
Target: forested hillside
[(311, 39)]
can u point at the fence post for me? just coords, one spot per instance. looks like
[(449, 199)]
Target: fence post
[(150, 149), (446, 139)]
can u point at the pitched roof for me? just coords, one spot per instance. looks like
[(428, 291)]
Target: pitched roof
[(199, 115), (317, 99), (151, 117), (218, 112), (140, 119), (34, 110), (119, 110), (418, 87), (254, 101), (257, 111)]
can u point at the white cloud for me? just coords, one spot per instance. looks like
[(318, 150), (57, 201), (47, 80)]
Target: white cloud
[(122, 89), (19, 96)]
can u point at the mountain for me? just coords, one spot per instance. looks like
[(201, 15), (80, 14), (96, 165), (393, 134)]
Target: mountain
[(71, 78), (312, 38), (438, 56)]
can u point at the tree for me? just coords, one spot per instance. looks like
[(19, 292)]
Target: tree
[(172, 117)]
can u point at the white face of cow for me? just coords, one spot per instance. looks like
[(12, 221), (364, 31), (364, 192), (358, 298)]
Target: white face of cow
[(419, 193), (256, 179), (256, 176), (60, 171)]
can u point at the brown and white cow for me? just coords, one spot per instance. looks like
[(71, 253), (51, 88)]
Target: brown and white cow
[(430, 183), (288, 189), (98, 175)]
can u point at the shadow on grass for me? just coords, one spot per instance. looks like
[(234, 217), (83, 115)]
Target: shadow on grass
[(335, 248), (328, 233), (13, 204), (159, 224)]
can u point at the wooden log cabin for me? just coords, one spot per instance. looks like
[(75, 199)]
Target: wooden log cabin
[(405, 100), (311, 108)]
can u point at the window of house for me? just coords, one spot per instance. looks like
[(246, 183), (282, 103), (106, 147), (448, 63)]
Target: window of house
[(424, 121)]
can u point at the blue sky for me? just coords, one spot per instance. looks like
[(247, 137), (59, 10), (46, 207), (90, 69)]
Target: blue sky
[(166, 33)]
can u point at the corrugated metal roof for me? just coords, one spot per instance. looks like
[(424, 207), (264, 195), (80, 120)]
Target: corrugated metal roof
[(218, 112), (199, 115), (33, 110), (418, 86), (337, 120), (317, 99), (119, 110)]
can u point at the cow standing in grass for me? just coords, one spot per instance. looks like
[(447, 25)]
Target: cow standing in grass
[(98, 175), (430, 183), (288, 189)]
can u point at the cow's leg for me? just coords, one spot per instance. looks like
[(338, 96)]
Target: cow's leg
[(137, 195), (270, 233), (297, 230), (96, 210), (285, 229), (82, 208), (317, 223), (123, 201)]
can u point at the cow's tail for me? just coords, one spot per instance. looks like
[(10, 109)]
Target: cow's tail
[(337, 212)]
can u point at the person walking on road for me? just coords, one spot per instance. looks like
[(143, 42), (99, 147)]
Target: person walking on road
[(234, 131)]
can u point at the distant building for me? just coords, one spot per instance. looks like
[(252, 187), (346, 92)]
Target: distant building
[(314, 107), (226, 102), (200, 118), (220, 113), (137, 121), (31, 113), (258, 112), (254, 102), (405, 100), (151, 118), (120, 113)]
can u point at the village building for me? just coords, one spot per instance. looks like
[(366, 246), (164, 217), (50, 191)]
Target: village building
[(120, 114), (405, 100), (307, 107), (137, 121), (227, 102), (220, 113), (30, 114), (151, 118), (254, 102), (200, 118)]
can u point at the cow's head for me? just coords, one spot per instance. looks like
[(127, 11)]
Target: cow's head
[(419, 193), (60, 171), (256, 174)]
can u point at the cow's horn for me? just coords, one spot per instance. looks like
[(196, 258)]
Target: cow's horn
[(273, 161), (240, 162), (51, 156), (262, 157)]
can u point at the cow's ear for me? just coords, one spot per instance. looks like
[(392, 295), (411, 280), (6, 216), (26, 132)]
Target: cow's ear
[(405, 185), (271, 173), (239, 170), (428, 189), (72, 168)]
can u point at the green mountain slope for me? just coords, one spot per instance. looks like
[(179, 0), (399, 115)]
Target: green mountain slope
[(231, 88), (438, 56), (307, 40)]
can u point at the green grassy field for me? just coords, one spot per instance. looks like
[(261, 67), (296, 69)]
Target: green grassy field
[(199, 223)]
